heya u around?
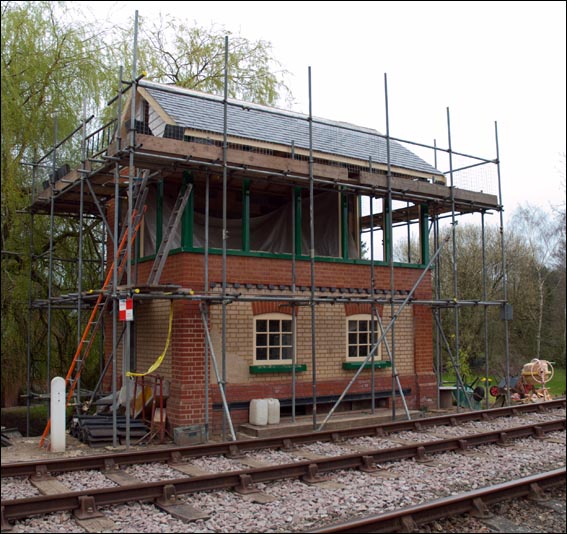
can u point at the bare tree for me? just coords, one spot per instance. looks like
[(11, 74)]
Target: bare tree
[(539, 232)]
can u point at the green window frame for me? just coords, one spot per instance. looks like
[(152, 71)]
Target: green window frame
[(345, 228)]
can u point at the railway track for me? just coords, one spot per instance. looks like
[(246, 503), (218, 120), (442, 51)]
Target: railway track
[(168, 493), (237, 448), (477, 502)]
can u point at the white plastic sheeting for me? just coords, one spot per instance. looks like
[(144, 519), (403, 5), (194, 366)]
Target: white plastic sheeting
[(271, 232)]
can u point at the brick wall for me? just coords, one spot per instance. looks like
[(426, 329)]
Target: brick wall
[(184, 362)]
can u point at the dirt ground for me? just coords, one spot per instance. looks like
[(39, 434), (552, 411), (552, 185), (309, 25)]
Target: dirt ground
[(26, 449)]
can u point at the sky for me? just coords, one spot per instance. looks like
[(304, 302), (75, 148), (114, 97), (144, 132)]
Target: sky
[(463, 66)]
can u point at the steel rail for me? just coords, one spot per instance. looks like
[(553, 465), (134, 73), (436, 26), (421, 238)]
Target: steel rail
[(476, 501), (234, 448), (87, 501)]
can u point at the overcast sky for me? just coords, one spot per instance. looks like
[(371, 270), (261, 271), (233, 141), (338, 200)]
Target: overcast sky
[(485, 61)]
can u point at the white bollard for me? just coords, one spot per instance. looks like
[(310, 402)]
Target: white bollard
[(57, 414)]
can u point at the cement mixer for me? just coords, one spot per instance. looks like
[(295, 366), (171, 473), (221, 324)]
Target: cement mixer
[(538, 373), (528, 386)]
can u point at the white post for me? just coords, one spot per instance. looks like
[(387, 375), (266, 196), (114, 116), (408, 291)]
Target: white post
[(57, 414)]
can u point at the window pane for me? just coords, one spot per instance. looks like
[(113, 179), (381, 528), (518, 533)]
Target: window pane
[(275, 340), (261, 325), (286, 339), (261, 340), (274, 353), (286, 326), (360, 338), (287, 353), (274, 325), (261, 354)]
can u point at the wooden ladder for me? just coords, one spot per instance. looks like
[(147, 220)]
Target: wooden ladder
[(167, 241)]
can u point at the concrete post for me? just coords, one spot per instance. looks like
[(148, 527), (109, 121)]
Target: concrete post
[(58, 414)]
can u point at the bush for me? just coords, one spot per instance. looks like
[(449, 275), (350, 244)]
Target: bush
[(16, 418)]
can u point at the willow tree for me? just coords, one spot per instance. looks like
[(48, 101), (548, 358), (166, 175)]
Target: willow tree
[(57, 65), (50, 65)]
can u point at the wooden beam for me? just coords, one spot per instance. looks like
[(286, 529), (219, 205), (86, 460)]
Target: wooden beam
[(404, 189), (212, 153)]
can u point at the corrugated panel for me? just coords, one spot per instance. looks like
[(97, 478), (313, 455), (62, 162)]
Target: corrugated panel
[(206, 112)]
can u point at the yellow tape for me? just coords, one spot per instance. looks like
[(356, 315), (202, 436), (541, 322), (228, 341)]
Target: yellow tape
[(160, 358)]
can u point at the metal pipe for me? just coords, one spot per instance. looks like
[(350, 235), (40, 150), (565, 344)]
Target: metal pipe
[(238, 297), (486, 388), (293, 308), (103, 261), (454, 259), (373, 305), (437, 281), (30, 302), (459, 380), (224, 221), (390, 233), (103, 373), (504, 268), (394, 371), (97, 203), (80, 252), (115, 340), (312, 257), (382, 336), (57, 145), (50, 274), (288, 176), (221, 385), (127, 362), (469, 166), (206, 307)]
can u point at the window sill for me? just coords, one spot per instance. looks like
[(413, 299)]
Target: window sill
[(277, 368), (380, 364)]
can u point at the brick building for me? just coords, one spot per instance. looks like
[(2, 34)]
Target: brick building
[(283, 254)]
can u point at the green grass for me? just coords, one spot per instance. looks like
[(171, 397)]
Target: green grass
[(556, 386)]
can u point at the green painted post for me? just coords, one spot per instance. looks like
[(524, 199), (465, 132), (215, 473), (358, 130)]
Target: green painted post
[(246, 216)]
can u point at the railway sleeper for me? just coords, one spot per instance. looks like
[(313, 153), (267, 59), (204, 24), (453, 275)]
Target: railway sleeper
[(407, 524), (368, 465), (246, 485), (537, 494), (480, 510), (87, 508), (313, 476), (185, 512)]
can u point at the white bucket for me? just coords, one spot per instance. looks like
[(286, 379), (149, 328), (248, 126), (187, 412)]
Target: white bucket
[(258, 412), (273, 411)]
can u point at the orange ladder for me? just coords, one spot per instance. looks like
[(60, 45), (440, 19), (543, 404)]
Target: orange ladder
[(95, 319)]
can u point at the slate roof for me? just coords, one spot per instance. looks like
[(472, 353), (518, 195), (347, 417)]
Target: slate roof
[(201, 111)]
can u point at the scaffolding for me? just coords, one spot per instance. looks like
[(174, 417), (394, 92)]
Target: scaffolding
[(110, 187)]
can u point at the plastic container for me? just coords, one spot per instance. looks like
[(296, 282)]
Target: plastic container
[(273, 411), (258, 412)]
